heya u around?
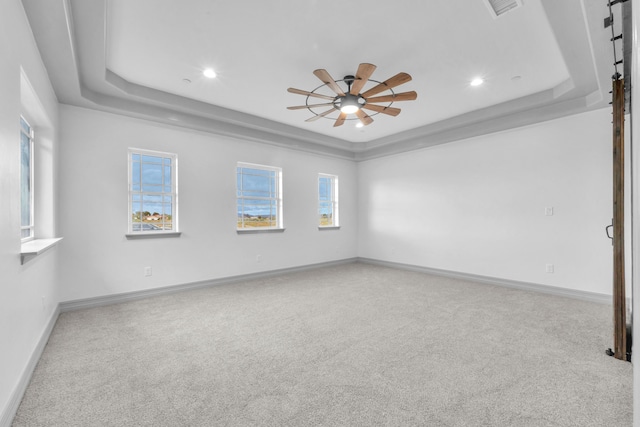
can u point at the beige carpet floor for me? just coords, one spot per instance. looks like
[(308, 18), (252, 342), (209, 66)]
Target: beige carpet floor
[(351, 345)]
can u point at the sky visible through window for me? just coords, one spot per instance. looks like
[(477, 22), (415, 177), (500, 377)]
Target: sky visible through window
[(257, 197), (152, 198), (26, 198), (326, 199)]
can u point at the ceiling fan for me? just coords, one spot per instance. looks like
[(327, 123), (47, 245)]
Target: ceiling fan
[(352, 101)]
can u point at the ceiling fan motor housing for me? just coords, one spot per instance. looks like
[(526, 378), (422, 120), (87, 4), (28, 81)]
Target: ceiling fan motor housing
[(355, 100), (349, 101)]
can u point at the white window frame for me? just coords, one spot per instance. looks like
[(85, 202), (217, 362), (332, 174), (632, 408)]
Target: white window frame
[(173, 193), (273, 199), (334, 201), (31, 226)]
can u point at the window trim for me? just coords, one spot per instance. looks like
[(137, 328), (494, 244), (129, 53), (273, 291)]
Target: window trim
[(334, 201), (278, 199), (131, 234), (31, 226), (35, 247)]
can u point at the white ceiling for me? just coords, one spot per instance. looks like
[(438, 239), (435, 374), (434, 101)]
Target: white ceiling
[(261, 51), (542, 60)]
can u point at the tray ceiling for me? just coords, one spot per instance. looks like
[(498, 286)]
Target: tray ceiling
[(541, 60)]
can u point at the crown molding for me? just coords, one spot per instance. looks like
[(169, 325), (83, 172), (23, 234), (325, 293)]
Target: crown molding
[(71, 36)]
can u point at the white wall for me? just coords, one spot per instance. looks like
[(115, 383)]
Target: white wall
[(478, 206), (474, 206), (98, 260), (29, 292)]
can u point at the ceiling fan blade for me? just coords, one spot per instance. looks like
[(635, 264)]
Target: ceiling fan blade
[(328, 80), (392, 82), (304, 92), (364, 118), (404, 96), (362, 77), (384, 110), (302, 107), (326, 113), (340, 120)]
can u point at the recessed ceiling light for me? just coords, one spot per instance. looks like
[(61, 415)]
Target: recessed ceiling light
[(476, 82), (209, 73), (186, 81)]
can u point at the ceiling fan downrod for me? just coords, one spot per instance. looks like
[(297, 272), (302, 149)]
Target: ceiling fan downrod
[(349, 81)]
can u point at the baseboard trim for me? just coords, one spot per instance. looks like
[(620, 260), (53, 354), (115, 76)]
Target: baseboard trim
[(534, 287), (81, 304), (16, 397), (14, 402)]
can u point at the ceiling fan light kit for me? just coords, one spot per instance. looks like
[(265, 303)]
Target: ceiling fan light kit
[(348, 103), (352, 101)]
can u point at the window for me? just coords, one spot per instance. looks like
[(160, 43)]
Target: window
[(327, 201), (153, 192), (259, 197), (26, 181)]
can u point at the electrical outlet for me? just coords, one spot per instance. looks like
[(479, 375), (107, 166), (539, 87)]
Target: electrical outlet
[(147, 271), (258, 259), (549, 268), (548, 211)]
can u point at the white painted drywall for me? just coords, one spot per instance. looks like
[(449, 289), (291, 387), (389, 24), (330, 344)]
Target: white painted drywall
[(23, 313), (474, 206), (478, 206), (98, 260)]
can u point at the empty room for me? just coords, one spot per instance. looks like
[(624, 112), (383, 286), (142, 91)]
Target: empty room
[(301, 213)]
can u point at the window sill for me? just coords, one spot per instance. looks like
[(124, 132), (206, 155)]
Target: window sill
[(35, 247), (134, 236), (332, 227), (258, 230)]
